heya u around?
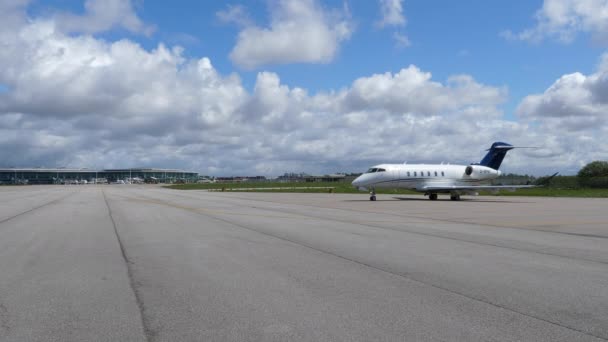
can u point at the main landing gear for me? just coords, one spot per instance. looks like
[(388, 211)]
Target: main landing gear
[(433, 197), (455, 197), (372, 195)]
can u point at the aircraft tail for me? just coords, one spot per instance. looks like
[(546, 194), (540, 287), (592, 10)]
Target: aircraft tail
[(496, 154)]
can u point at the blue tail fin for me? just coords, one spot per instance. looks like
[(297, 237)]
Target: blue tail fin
[(496, 154)]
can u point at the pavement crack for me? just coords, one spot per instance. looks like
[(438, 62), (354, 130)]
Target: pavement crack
[(380, 269), (148, 332), (404, 276), (36, 208), (434, 235), (4, 321), (488, 224), (446, 236)]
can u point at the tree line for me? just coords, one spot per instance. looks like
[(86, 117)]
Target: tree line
[(592, 175)]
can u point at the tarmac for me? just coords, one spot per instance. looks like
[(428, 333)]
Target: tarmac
[(144, 263)]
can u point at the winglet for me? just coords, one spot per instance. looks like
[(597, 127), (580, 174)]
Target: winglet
[(544, 181)]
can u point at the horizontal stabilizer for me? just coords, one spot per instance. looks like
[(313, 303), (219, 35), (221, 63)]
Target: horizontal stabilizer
[(509, 147)]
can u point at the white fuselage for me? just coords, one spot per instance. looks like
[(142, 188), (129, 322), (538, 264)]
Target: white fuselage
[(420, 176)]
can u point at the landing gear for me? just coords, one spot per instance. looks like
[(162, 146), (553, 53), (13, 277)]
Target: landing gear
[(455, 197), (372, 195), (433, 197)]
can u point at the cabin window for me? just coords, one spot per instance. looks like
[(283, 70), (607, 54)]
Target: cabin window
[(428, 173), (415, 175), (435, 173), (408, 173), (442, 174)]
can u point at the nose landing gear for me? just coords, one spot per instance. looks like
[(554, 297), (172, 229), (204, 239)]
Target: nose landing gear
[(372, 195)]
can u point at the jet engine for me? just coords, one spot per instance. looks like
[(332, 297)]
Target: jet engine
[(468, 171)]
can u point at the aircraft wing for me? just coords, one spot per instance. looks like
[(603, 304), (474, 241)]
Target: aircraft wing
[(476, 187), (448, 188)]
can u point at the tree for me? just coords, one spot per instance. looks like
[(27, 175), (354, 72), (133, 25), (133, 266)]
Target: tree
[(594, 175), (594, 169)]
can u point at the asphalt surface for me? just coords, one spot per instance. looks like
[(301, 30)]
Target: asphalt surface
[(138, 263)]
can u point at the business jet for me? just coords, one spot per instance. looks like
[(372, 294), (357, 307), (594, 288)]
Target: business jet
[(434, 179)]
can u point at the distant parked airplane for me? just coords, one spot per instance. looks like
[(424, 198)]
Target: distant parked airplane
[(433, 179)]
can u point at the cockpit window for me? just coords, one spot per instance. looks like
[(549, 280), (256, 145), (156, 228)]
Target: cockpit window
[(375, 169)]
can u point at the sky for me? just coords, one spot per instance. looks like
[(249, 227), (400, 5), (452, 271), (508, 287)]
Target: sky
[(267, 87)]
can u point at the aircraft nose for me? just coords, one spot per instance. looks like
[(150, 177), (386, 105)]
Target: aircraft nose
[(356, 182)]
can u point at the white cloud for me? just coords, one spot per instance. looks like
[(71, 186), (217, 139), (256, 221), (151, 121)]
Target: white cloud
[(99, 96), (564, 19), (401, 40), (103, 15), (391, 12), (81, 101), (74, 100), (411, 91), (236, 14), (574, 111), (12, 13), (570, 96), (300, 31), (580, 97)]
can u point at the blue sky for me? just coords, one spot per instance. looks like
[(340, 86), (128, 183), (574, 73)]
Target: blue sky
[(521, 71)]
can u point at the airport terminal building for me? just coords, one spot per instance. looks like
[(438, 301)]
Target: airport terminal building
[(82, 176)]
